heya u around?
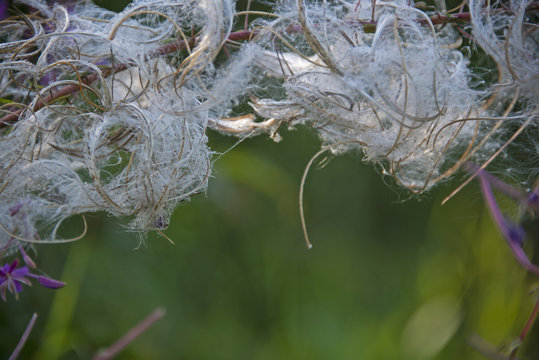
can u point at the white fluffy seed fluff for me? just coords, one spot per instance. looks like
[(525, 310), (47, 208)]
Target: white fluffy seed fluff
[(399, 90), (109, 110), (131, 142)]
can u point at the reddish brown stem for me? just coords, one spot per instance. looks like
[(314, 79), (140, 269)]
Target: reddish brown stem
[(181, 44), (66, 90), (526, 329), (444, 19), (70, 89)]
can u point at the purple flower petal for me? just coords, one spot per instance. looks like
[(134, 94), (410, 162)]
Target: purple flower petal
[(533, 199), (13, 210), (15, 287), (4, 270), (12, 279), (3, 9), (12, 267), (50, 283), (515, 232), (27, 259), (20, 273)]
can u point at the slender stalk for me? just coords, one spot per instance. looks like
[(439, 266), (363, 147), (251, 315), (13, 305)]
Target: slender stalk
[(177, 45), (71, 89), (131, 335), (504, 226), (526, 329), (24, 337)]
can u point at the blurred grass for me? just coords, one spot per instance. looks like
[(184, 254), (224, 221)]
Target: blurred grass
[(387, 278), (240, 283)]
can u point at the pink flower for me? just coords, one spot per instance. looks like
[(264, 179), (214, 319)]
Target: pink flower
[(12, 278)]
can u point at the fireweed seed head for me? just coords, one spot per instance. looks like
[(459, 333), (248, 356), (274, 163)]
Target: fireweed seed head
[(387, 82), (503, 33), (506, 34), (109, 111)]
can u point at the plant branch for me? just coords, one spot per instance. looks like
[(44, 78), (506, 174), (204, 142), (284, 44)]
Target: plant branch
[(526, 329), (70, 89), (131, 335), (178, 45), (24, 337)]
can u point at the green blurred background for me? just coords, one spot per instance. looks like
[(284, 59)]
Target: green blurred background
[(388, 277)]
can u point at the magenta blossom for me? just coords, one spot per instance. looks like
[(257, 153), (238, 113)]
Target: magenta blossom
[(12, 279)]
